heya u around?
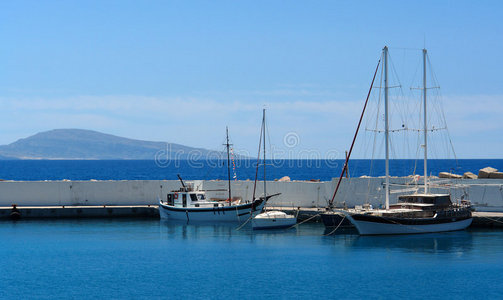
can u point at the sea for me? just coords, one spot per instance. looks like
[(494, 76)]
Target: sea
[(155, 259), (296, 169)]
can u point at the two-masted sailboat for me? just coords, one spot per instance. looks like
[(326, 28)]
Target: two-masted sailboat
[(413, 213)]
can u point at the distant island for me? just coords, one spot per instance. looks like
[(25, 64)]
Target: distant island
[(88, 144)]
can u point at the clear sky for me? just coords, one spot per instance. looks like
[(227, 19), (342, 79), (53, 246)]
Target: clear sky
[(180, 71)]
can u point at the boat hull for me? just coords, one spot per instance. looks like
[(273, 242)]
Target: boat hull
[(376, 225), (233, 213), (334, 220), (273, 223)]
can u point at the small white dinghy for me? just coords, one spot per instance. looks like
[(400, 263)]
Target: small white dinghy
[(273, 220)]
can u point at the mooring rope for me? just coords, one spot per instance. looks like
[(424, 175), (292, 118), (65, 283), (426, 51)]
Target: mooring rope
[(494, 220), (337, 226), (303, 221), (241, 226)]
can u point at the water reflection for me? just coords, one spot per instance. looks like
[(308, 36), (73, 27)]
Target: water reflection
[(452, 242), (174, 229), (459, 241)]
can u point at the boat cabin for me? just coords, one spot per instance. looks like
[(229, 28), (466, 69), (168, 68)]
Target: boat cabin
[(187, 199), (423, 201)]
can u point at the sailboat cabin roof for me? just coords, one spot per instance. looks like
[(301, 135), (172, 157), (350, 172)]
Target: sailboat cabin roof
[(435, 199)]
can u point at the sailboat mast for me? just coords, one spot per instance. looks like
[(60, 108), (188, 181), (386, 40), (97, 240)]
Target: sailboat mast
[(228, 163), (386, 125), (263, 128), (425, 126)]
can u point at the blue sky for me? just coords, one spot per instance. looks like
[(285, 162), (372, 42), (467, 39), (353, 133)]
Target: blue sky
[(180, 71)]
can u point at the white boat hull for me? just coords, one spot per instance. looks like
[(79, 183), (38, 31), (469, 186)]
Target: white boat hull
[(273, 220), (235, 213), (376, 228)]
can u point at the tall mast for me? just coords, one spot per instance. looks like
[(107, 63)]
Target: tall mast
[(263, 128), (425, 126), (228, 163), (386, 125)]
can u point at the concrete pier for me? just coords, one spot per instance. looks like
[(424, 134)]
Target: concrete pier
[(68, 212), (480, 219), (487, 219), (139, 198), (484, 194)]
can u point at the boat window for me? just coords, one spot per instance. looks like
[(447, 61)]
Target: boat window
[(200, 196), (170, 199), (193, 197), (407, 199), (428, 200), (443, 201)]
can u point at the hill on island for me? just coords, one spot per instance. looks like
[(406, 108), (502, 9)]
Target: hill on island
[(88, 144)]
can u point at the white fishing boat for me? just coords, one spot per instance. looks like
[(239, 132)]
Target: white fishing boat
[(270, 219), (190, 205), (413, 213)]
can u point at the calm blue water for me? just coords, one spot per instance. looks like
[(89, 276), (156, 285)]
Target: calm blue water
[(153, 259), (245, 169)]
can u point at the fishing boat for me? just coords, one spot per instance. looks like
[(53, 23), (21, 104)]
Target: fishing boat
[(192, 205), (413, 213), (269, 219)]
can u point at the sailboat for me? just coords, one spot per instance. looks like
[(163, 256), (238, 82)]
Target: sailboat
[(192, 205), (270, 219), (414, 213)]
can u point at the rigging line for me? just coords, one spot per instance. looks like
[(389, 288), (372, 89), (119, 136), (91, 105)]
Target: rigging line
[(406, 48), (356, 134), (381, 78), (394, 72), (435, 80), (448, 134), (270, 143), (395, 103), (258, 162)]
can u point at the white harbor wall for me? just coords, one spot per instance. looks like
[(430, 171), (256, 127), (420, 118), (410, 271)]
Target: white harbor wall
[(56, 193), (485, 194)]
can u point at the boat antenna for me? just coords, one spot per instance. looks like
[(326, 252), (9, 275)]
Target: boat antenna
[(181, 180), (331, 202), (228, 162)]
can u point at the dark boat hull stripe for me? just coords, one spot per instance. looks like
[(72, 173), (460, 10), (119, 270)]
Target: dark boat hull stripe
[(409, 221), (255, 204)]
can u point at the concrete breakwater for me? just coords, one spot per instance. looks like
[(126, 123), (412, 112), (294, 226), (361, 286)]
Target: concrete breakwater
[(485, 194), (480, 219)]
